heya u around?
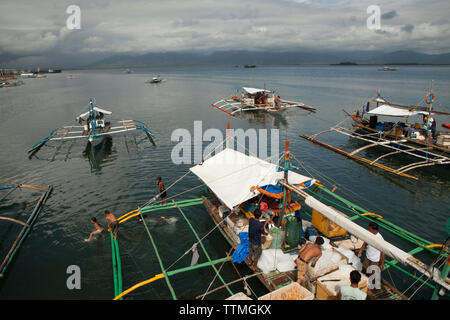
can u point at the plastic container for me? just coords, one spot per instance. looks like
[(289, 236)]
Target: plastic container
[(293, 231), (293, 291), (278, 236), (325, 226)]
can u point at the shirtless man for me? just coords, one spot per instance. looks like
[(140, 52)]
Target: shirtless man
[(113, 224), (98, 229), (305, 254), (162, 190)]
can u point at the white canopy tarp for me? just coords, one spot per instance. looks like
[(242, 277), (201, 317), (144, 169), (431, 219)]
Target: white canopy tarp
[(254, 90), (387, 110), (96, 109), (230, 174)]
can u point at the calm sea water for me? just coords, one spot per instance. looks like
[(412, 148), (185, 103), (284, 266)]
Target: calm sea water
[(124, 178)]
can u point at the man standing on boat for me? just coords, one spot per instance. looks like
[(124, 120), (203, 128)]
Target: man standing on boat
[(162, 190), (255, 230), (277, 102), (307, 253), (373, 256)]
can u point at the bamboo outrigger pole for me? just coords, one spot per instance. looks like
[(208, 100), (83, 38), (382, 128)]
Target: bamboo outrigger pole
[(24, 232), (355, 157)]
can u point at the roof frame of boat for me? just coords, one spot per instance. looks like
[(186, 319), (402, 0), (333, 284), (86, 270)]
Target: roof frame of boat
[(396, 147), (70, 133), (429, 154)]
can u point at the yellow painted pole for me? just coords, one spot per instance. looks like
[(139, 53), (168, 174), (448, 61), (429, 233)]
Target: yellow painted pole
[(140, 284)]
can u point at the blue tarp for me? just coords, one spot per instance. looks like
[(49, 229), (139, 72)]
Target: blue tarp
[(277, 189), (242, 249)]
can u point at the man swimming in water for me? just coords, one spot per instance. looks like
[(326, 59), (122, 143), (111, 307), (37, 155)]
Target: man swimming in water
[(98, 229)]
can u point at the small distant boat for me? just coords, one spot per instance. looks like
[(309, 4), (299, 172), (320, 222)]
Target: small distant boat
[(387, 69), (127, 71), (28, 75), (249, 66), (7, 84), (95, 129), (156, 79), (254, 99)]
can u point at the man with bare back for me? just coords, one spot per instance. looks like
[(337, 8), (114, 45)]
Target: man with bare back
[(307, 253)]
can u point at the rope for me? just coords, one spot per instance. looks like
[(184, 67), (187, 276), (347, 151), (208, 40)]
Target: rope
[(424, 281), (217, 274)]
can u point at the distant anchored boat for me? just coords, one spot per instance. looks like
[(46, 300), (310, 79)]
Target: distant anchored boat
[(387, 69), (156, 79), (254, 99)]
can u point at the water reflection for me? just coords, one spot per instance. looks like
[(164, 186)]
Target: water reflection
[(98, 151), (275, 119)]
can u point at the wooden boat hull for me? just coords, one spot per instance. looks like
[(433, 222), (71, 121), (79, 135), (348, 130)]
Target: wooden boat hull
[(271, 281)]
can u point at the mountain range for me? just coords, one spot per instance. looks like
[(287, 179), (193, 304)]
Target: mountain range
[(271, 58)]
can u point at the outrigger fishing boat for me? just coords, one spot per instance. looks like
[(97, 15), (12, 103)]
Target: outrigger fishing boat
[(235, 184), (254, 99), (419, 138), (92, 128)]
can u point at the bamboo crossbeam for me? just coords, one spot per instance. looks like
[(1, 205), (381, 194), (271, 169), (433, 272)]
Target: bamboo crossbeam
[(28, 186), (204, 249), (117, 266), (157, 207), (24, 232), (15, 221), (170, 273), (159, 259), (114, 265), (389, 144), (228, 284), (355, 157)]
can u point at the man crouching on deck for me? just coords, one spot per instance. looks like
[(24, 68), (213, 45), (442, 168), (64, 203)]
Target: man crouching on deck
[(305, 254)]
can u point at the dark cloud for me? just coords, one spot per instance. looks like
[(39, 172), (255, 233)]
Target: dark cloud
[(389, 15), (408, 28), (38, 29)]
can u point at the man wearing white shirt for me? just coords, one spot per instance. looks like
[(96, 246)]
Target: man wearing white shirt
[(373, 256)]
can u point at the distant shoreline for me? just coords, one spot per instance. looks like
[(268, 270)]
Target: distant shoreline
[(262, 65)]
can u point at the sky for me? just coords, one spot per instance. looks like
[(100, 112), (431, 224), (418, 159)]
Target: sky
[(36, 31)]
